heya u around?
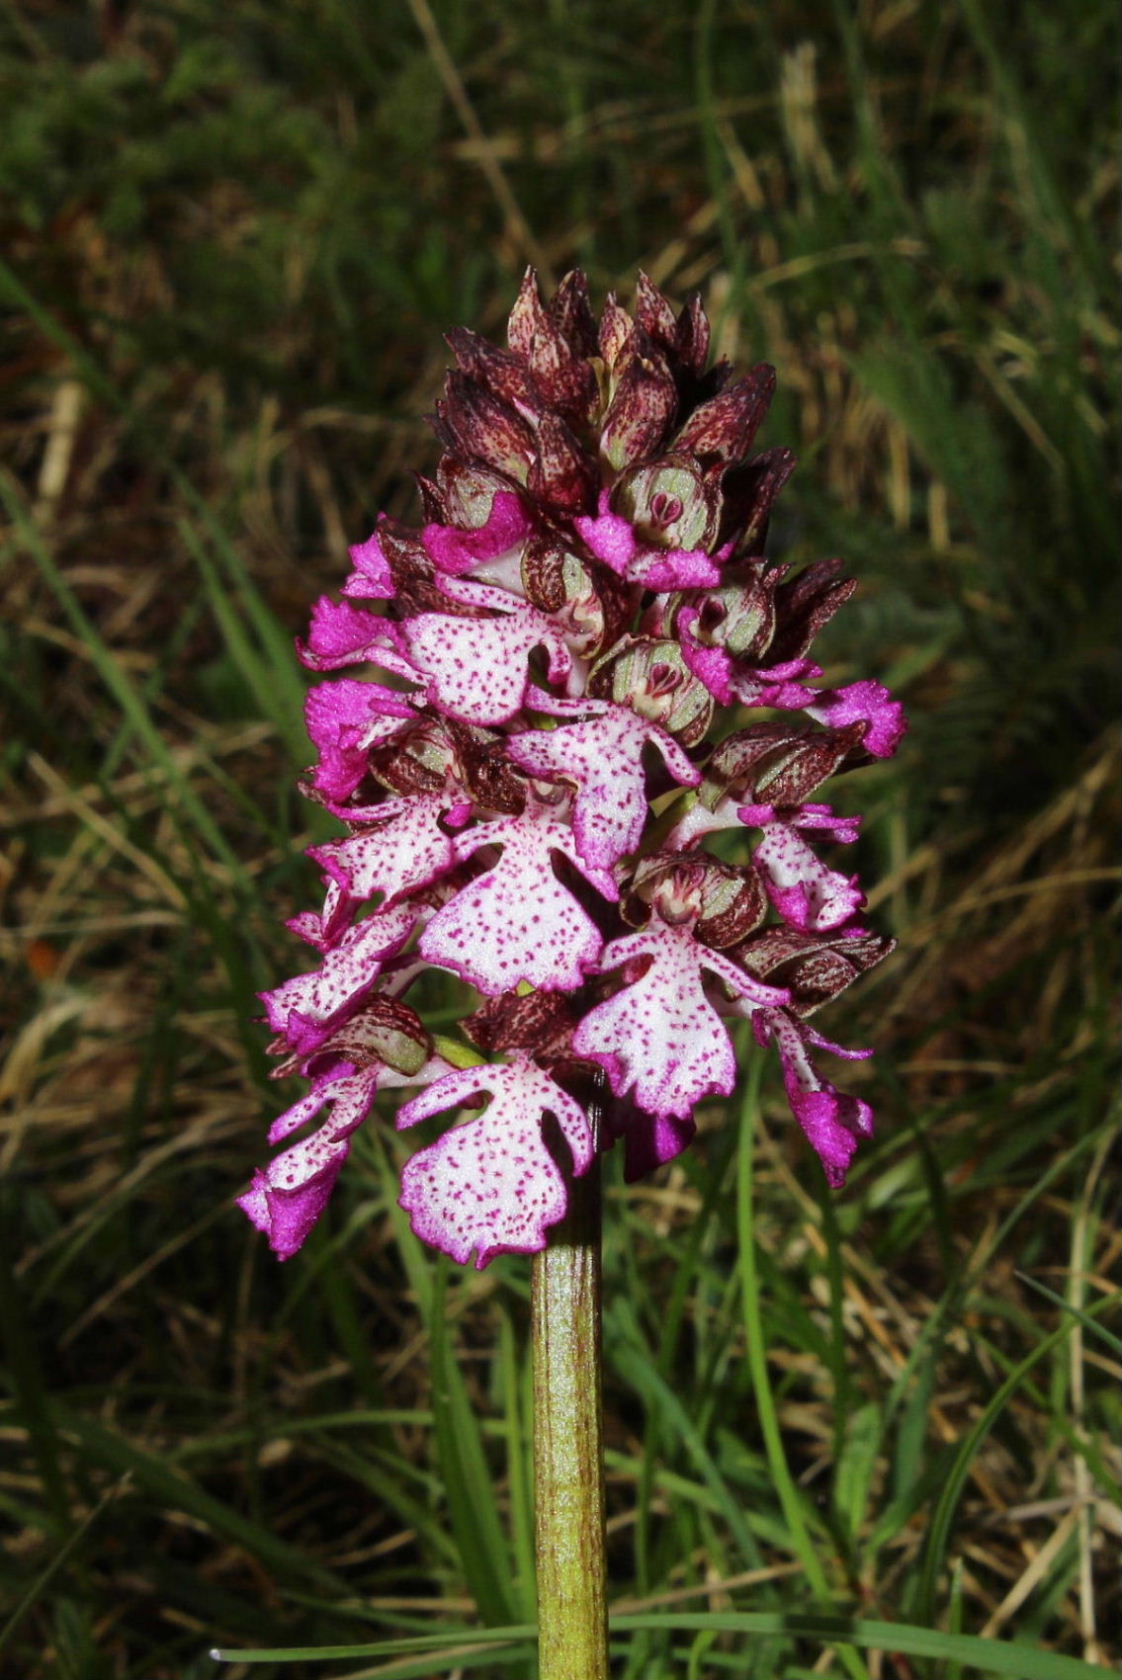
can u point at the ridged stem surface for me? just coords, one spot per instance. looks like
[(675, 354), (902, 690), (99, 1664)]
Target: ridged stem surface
[(568, 1455)]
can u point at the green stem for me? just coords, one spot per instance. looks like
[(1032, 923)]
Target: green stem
[(568, 1448)]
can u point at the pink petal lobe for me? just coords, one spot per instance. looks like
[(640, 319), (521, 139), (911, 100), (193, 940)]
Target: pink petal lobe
[(609, 536), (371, 579), (490, 1184), (649, 1140), (324, 928), (780, 685), (833, 1121), (288, 1197), (699, 820), (612, 539), (344, 635), (864, 702), (674, 568), (286, 1214)]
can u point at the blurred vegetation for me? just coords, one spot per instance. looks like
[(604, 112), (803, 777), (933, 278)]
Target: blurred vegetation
[(232, 237)]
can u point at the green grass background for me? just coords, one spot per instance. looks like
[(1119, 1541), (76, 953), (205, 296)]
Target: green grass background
[(232, 237)]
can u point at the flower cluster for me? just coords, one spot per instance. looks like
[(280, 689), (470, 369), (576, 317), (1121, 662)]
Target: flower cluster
[(566, 645)]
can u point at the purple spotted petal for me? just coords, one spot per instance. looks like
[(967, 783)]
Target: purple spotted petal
[(476, 668), (490, 1185), (346, 974), (517, 922), (345, 719), (603, 755), (806, 894), (286, 1205), (407, 850), (820, 817), (371, 579), (325, 928), (699, 820), (660, 1038), (455, 551), (833, 1121), (864, 702)]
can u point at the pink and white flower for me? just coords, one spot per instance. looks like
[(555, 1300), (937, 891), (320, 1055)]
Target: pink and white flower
[(532, 767)]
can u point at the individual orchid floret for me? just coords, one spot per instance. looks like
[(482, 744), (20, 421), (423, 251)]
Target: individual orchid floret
[(383, 1045), (660, 1037), (538, 741), (516, 923), (490, 1185), (804, 891), (602, 755)]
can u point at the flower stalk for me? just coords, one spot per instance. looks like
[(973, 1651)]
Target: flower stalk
[(568, 1453)]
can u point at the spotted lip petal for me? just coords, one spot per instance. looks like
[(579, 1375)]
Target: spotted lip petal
[(490, 1185), (660, 1038), (517, 922), (475, 669), (804, 891), (602, 756), (288, 1196)]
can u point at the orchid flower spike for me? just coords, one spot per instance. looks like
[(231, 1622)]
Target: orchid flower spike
[(578, 668)]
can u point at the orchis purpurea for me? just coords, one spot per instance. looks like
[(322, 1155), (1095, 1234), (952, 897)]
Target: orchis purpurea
[(589, 667)]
